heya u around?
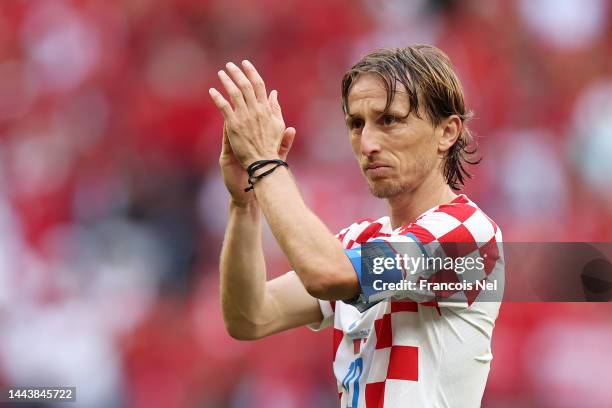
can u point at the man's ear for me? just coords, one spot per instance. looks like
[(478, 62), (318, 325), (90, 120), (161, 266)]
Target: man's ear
[(451, 129)]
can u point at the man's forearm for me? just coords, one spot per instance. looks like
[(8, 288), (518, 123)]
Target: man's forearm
[(313, 251), (243, 270)]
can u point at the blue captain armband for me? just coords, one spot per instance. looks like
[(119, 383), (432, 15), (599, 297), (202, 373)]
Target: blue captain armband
[(374, 264)]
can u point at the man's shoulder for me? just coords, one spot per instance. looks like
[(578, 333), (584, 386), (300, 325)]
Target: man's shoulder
[(460, 220)]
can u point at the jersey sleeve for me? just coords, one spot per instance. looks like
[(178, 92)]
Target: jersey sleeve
[(327, 309), (452, 247)]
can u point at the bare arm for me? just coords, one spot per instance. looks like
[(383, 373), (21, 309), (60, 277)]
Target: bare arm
[(255, 132), (253, 308), (314, 252)]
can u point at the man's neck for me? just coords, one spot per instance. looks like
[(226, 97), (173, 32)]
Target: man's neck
[(405, 208)]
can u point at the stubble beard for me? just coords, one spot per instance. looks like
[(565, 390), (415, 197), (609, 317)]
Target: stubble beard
[(387, 190), (391, 188)]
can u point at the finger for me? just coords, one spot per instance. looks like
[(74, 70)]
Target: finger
[(274, 105), (222, 104), (233, 91), (287, 142), (256, 80), (246, 88)]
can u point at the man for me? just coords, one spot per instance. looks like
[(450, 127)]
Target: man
[(403, 347)]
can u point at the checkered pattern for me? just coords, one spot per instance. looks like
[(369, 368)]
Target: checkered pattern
[(402, 353)]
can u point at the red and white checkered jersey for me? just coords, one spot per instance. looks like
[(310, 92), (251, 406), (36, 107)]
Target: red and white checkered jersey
[(398, 352)]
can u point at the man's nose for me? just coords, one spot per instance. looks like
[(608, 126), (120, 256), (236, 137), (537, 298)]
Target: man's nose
[(370, 140)]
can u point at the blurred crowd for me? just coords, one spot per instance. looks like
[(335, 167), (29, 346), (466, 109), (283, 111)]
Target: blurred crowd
[(112, 210)]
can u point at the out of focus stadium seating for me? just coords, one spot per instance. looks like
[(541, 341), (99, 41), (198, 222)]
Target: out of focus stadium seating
[(112, 209)]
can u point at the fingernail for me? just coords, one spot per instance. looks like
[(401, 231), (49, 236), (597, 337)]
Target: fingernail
[(221, 72), (247, 62), (230, 65)]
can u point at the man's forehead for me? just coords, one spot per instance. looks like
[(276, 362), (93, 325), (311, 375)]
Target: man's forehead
[(371, 87)]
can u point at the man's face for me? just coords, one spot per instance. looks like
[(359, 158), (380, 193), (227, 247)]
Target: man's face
[(396, 152)]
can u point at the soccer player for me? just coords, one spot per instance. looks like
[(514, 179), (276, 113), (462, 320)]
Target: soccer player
[(406, 347)]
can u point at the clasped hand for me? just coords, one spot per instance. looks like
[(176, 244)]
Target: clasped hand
[(254, 123)]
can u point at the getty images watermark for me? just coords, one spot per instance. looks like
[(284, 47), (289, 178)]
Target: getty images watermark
[(414, 265), (488, 272)]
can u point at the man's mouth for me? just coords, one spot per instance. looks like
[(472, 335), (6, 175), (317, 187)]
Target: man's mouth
[(375, 165), (376, 168)]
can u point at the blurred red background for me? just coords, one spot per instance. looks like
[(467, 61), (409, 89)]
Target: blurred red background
[(112, 209)]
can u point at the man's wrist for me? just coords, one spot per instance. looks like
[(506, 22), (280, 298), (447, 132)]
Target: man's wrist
[(264, 168), (247, 162), (250, 205), (273, 177)]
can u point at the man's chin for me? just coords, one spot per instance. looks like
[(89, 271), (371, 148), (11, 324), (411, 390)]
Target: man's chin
[(386, 190)]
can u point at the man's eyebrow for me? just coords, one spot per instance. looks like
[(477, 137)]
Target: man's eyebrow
[(379, 111), (350, 116), (391, 110)]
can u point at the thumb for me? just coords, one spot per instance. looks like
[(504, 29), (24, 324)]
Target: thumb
[(286, 142), (227, 153), (226, 148), (274, 105)]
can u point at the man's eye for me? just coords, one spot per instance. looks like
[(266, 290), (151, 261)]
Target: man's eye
[(356, 123), (388, 120)]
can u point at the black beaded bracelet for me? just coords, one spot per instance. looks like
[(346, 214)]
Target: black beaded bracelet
[(259, 164)]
